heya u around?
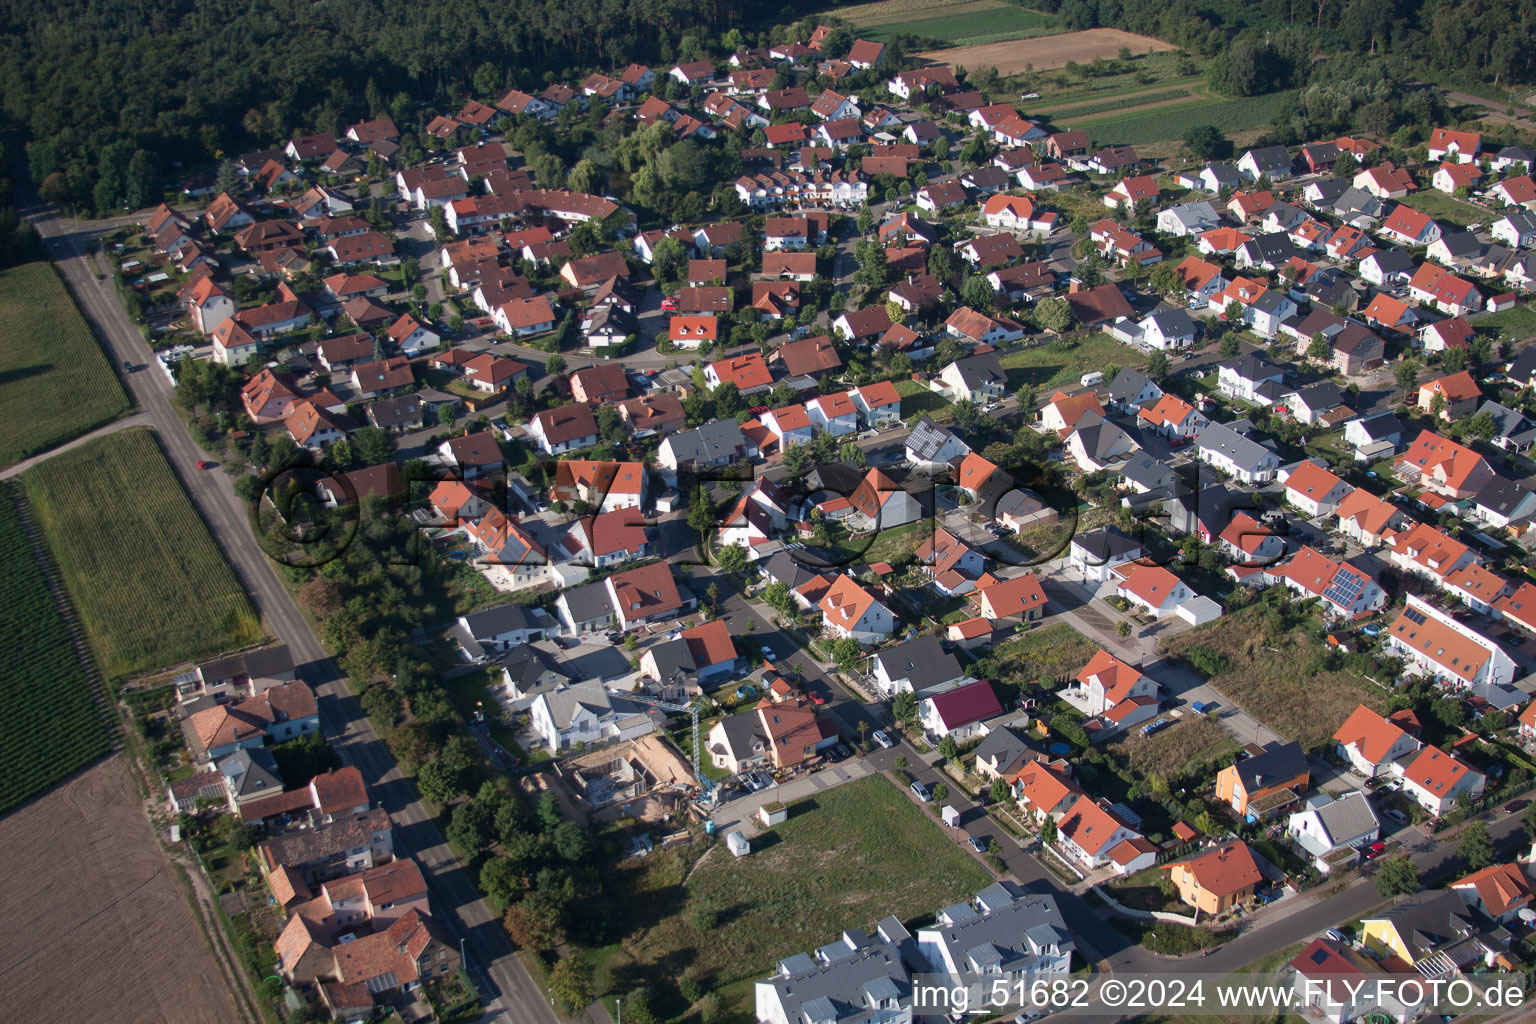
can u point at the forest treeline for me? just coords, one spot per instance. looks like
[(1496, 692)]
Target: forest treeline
[(119, 96)]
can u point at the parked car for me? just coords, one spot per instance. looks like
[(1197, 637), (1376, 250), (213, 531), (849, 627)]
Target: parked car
[(1396, 815), (1335, 935), (921, 792), (767, 653), (976, 844), (1515, 805), (884, 740), (204, 464), (1375, 850), (816, 698)]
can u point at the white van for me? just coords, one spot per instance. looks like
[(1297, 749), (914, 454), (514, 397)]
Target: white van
[(1092, 379)]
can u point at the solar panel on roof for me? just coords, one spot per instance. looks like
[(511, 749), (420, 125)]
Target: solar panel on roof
[(1414, 615)]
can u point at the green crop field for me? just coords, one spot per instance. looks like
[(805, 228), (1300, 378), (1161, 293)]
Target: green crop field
[(1170, 123), (1137, 99), (55, 381), (1060, 363), (150, 585), (49, 726), (957, 22)]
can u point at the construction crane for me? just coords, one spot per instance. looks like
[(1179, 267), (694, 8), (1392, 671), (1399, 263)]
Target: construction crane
[(706, 785)]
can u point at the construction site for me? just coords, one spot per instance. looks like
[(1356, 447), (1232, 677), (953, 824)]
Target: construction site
[(643, 779)]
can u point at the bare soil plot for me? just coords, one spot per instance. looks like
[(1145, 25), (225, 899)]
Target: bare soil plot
[(1014, 56), (98, 928)]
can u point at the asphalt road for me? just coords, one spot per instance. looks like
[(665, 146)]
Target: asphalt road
[(503, 979)]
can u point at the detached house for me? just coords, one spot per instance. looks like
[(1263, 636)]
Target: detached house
[(1218, 879), (959, 712), (1372, 744), (1260, 786), (850, 611)]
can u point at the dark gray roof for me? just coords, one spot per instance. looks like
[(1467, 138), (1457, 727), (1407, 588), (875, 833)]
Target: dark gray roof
[(672, 658), (506, 618), (1223, 170), (391, 412), (588, 601), (1107, 543), (1441, 924), (1462, 244), (1327, 189), (600, 661), (927, 439), (1128, 383), (922, 662), (1325, 394), (1175, 323), (783, 567), (1099, 436), (1145, 471), (740, 732), (1392, 261), (1274, 765), (264, 662), (1509, 422), (1002, 747), (1270, 158), (251, 772), (527, 664), (1243, 451), (1276, 248), (717, 439), (1523, 369), (1521, 153), (1270, 302), (1384, 426), (1253, 367), (979, 370), (1357, 201), (1500, 495)]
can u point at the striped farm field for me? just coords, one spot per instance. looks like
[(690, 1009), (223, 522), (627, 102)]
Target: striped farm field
[(49, 725), (1111, 105), (150, 585), (1014, 55), (957, 22), (1170, 121), (55, 381)]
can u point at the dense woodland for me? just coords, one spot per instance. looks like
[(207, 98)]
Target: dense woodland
[(119, 96)]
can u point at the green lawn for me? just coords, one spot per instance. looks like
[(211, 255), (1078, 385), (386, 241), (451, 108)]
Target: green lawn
[(151, 587), (1170, 123), (915, 398), (845, 859), (55, 380), (1447, 209), (1510, 325), (1060, 364), (883, 546)]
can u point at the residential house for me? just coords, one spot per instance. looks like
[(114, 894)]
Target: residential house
[(1435, 780), (1372, 744), (959, 712), (1262, 785)]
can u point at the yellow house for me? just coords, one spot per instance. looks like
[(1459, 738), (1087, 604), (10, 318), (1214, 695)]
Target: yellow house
[(1216, 879), (1439, 930)]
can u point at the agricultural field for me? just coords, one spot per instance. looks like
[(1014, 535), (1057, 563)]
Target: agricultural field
[(55, 381), (1169, 122), (1014, 55), (150, 585), (100, 900), (49, 725), (1277, 674), (831, 866), (962, 23), (1061, 364)]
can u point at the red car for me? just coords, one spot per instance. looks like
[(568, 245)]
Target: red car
[(669, 305), (204, 464), (817, 699), (1375, 850)]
